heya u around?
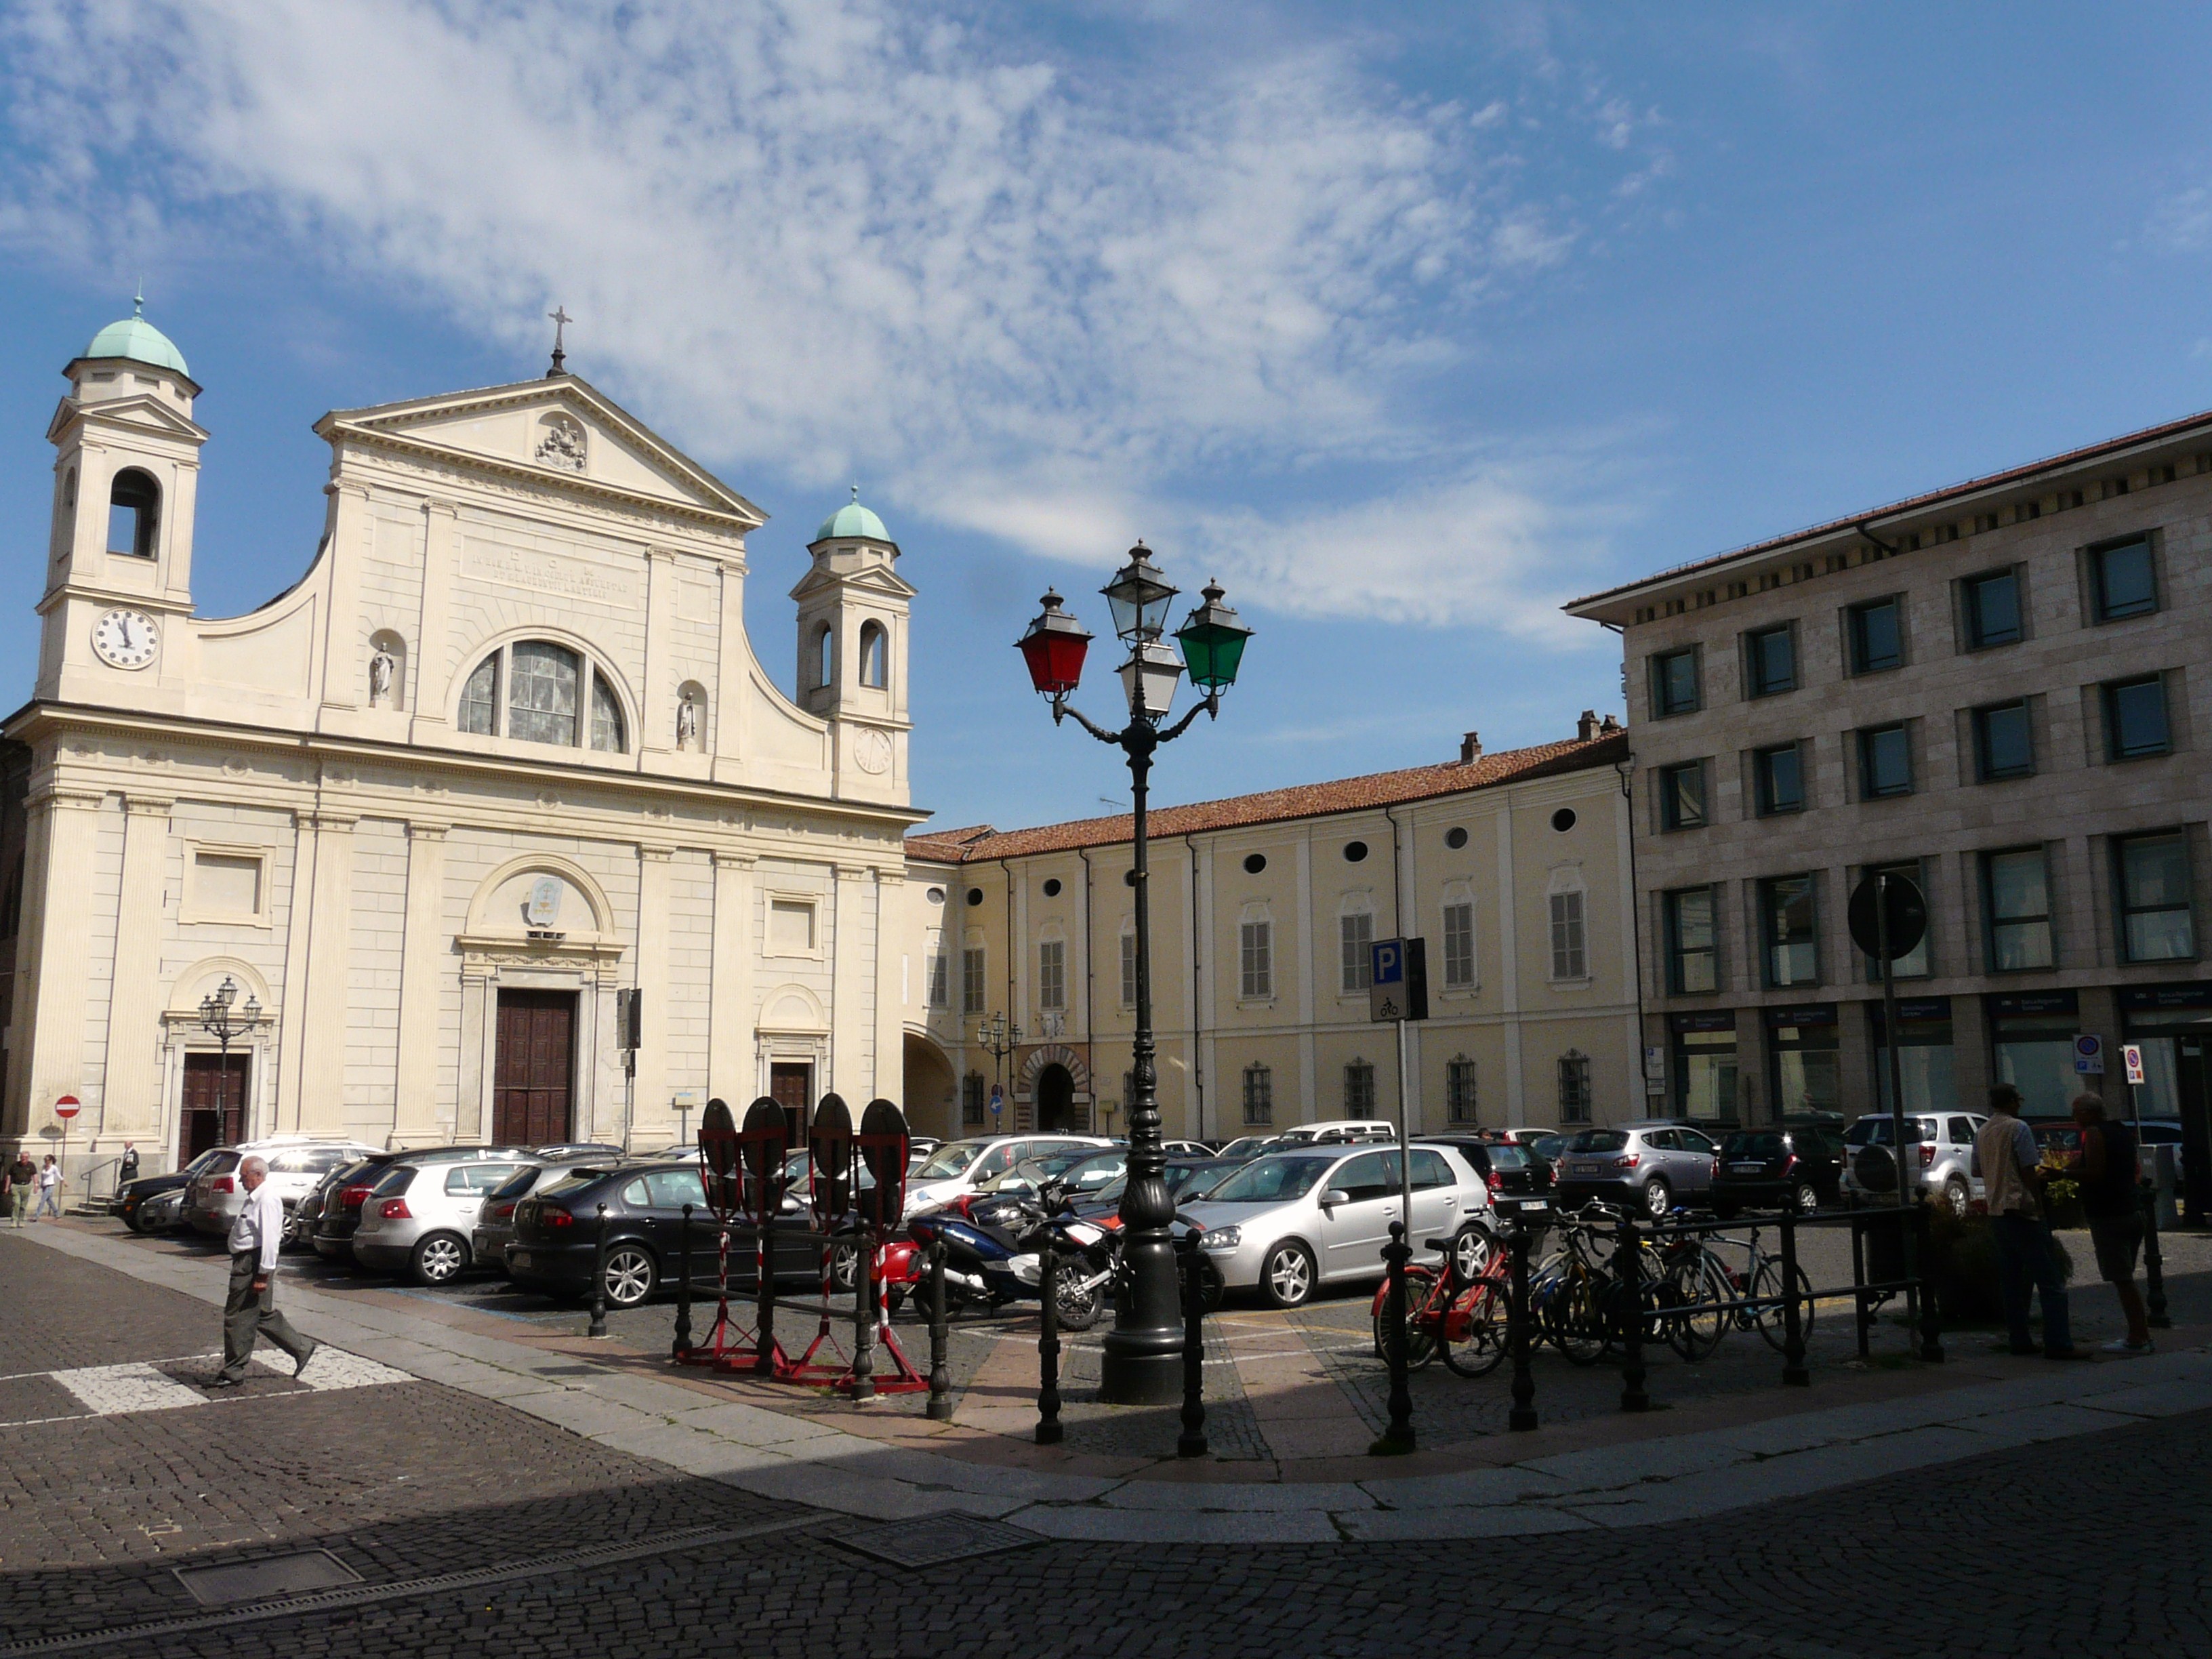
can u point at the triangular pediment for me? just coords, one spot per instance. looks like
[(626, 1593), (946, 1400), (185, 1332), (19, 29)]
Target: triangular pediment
[(873, 578), (143, 411), (560, 429)]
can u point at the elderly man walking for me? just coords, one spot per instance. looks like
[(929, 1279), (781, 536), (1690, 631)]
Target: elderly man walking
[(251, 1309)]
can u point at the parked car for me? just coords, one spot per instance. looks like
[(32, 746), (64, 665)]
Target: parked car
[(345, 1190), (1188, 1149), (1337, 1130), (419, 1217), (296, 1164), (1941, 1161), (575, 1148), (557, 1234), (2061, 1136), (1797, 1166), (1251, 1146), (1520, 1182), (962, 1166), (1289, 1222), (162, 1212), (1652, 1163), (132, 1199), (1077, 1172), (494, 1226)]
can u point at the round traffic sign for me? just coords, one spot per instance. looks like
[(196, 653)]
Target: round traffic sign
[(1908, 914), (68, 1106)]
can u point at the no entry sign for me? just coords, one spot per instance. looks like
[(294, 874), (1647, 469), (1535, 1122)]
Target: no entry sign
[(68, 1106)]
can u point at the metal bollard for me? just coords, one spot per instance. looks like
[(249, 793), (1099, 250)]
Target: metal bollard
[(1191, 1443), (1628, 1297), (864, 1317), (599, 1327), (1931, 1317), (763, 1304), (1523, 1416), (2153, 1264), (940, 1374), (1794, 1374), (683, 1343), (1862, 1303), (1048, 1428), (1396, 1439)]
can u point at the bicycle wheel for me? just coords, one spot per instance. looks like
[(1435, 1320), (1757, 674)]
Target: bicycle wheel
[(1698, 1281), (1766, 1283), (1475, 1329), (1421, 1318), (1578, 1318)]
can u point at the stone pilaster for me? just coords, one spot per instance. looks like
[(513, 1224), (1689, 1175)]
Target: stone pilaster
[(651, 1082), (731, 1020), (424, 957), (131, 1094), (48, 1050)]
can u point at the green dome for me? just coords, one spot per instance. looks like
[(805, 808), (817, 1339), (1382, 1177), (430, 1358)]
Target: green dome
[(141, 342), (853, 520)]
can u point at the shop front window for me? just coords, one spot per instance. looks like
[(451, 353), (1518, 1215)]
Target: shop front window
[(1804, 1069), (2031, 1046), (1705, 1066), (1926, 1061)]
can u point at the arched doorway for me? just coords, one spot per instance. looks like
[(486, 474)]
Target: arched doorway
[(933, 1095), (1055, 1100)]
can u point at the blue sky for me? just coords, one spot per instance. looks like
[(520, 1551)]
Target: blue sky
[(1406, 325)]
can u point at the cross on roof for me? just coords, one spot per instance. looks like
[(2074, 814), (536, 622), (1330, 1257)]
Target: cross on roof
[(560, 321)]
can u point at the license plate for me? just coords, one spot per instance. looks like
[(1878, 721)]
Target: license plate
[(520, 1258), (1747, 1168), (1584, 1167)]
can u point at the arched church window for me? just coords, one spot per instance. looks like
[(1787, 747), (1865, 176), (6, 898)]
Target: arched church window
[(825, 657), (875, 655), (134, 513), (550, 689)]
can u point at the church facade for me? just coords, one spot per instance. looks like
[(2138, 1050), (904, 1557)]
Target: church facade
[(502, 755)]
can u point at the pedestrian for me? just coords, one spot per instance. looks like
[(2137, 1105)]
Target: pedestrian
[(256, 1238), (50, 1190), (22, 1176), (2107, 1176), (127, 1169), (2026, 1254)]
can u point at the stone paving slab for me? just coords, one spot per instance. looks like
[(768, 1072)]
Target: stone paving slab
[(901, 1467)]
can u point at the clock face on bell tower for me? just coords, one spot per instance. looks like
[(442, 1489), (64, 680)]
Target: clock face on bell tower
[(127, 639)]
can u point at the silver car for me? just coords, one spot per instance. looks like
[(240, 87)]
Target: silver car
[(296, 1164), (1941, 1164), (494, 1226), (419, 1217), (1290, 1222), (959, 1167)]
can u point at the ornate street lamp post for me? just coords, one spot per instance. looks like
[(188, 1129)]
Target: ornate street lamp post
[(1142, 1365), (999, 1037), (217, 1021)]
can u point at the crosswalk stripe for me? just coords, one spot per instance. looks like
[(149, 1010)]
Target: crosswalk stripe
[(107, 1390)]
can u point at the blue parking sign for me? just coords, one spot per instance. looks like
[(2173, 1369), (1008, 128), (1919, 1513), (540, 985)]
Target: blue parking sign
[(1398, 987)]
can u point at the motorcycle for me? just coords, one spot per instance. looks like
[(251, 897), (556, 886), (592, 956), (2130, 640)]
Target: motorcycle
[(994, 1263)]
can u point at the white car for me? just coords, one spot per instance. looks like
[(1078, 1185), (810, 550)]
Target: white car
[(1292, 1221), (960, 1166), (296, 1164), (1340, 1129)]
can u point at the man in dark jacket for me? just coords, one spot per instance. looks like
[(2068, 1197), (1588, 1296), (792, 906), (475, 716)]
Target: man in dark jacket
[(2110, 1199), (22, 1176)]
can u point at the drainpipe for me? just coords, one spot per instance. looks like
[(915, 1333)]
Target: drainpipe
[(1197, 1027), (1090, 979)]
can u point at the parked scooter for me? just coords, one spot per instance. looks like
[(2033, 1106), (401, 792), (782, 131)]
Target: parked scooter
[(994, 1264)]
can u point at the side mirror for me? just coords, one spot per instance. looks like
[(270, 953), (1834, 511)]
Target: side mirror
[(1335, 1196)]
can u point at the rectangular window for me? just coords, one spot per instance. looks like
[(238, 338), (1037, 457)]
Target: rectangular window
[(2156, 921), (1569, 960), (1129, 969), (1459, 945), (1360, 1089), (971, 980), (1682, 796), (480, 698), (2121, 576), (2004, 744), (1771, 660), (1259, 1095), (541, 703), (1255, 953), (2016, 899), (1791, 927), (1885, 761), (940, 976), (1779, 778), (1992, 604), (1575, 1092), (790, 927), (1052, 974), (1458, 1091), (971, 1099), (1358, 933), (1913, 964), (1876, 636), (2134, 719), (1674, 682), (1692, 946)]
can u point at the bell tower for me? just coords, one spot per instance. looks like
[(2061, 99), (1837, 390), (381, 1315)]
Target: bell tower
[(126, 475), (852, 615)]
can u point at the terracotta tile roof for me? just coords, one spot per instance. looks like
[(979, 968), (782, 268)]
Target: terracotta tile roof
[(1304, 800), (2149, 434)]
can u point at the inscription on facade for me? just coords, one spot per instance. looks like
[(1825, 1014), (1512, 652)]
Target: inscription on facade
[(549, 573)]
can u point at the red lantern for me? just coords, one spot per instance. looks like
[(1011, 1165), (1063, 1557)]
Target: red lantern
[(1054, 648)]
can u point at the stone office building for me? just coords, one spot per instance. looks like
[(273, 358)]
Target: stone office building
[(1999, 688), (1513, 866), (503, 751)]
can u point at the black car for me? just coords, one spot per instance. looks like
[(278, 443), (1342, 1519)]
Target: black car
[(1800, 1165), (557, 1234), (328, 1217), (1520, 1182), (130, 1201)]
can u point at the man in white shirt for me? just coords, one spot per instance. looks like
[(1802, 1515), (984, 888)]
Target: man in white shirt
[(251, 1310)]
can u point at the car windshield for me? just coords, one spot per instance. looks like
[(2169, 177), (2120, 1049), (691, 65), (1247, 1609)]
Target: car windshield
[(575, 1181), (1272, 1179), (1876, 1131), (517, 1183), (1245, 1145), (1765, 1145), (1598, 1140), (395, 1180), (1548, 1146), (313, 1160), (949, 1160)]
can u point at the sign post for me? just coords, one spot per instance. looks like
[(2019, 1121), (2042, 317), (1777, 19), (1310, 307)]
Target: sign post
[(1888, 917), (1398, 991), (65, 1108)]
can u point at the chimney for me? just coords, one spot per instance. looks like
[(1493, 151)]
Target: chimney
[(1470, 748), (1609, 726), (1586, 727)]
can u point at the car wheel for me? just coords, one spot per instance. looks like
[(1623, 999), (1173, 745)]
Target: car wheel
[(295, 1233), (1658, 1198), (1287, 1276), (1472, 1248), (844, 1264), (1806, 1197), (1955, 1195), (135, 1218), (630, 1275), (438, 1259)]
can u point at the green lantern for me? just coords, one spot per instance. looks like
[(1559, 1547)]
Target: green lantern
[(1213, 641)]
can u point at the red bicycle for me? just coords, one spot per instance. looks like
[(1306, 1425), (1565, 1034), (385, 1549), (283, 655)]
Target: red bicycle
[(1465, 1320)]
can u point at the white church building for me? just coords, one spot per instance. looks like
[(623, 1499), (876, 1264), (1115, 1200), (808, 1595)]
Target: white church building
[(501, 753)]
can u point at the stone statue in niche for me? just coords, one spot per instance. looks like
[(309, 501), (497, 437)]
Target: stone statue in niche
[(563, 445), (382, 668), (687, 722)]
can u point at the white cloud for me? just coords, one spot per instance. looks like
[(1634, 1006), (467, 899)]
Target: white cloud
[(2183, 222), (1009, 289)]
